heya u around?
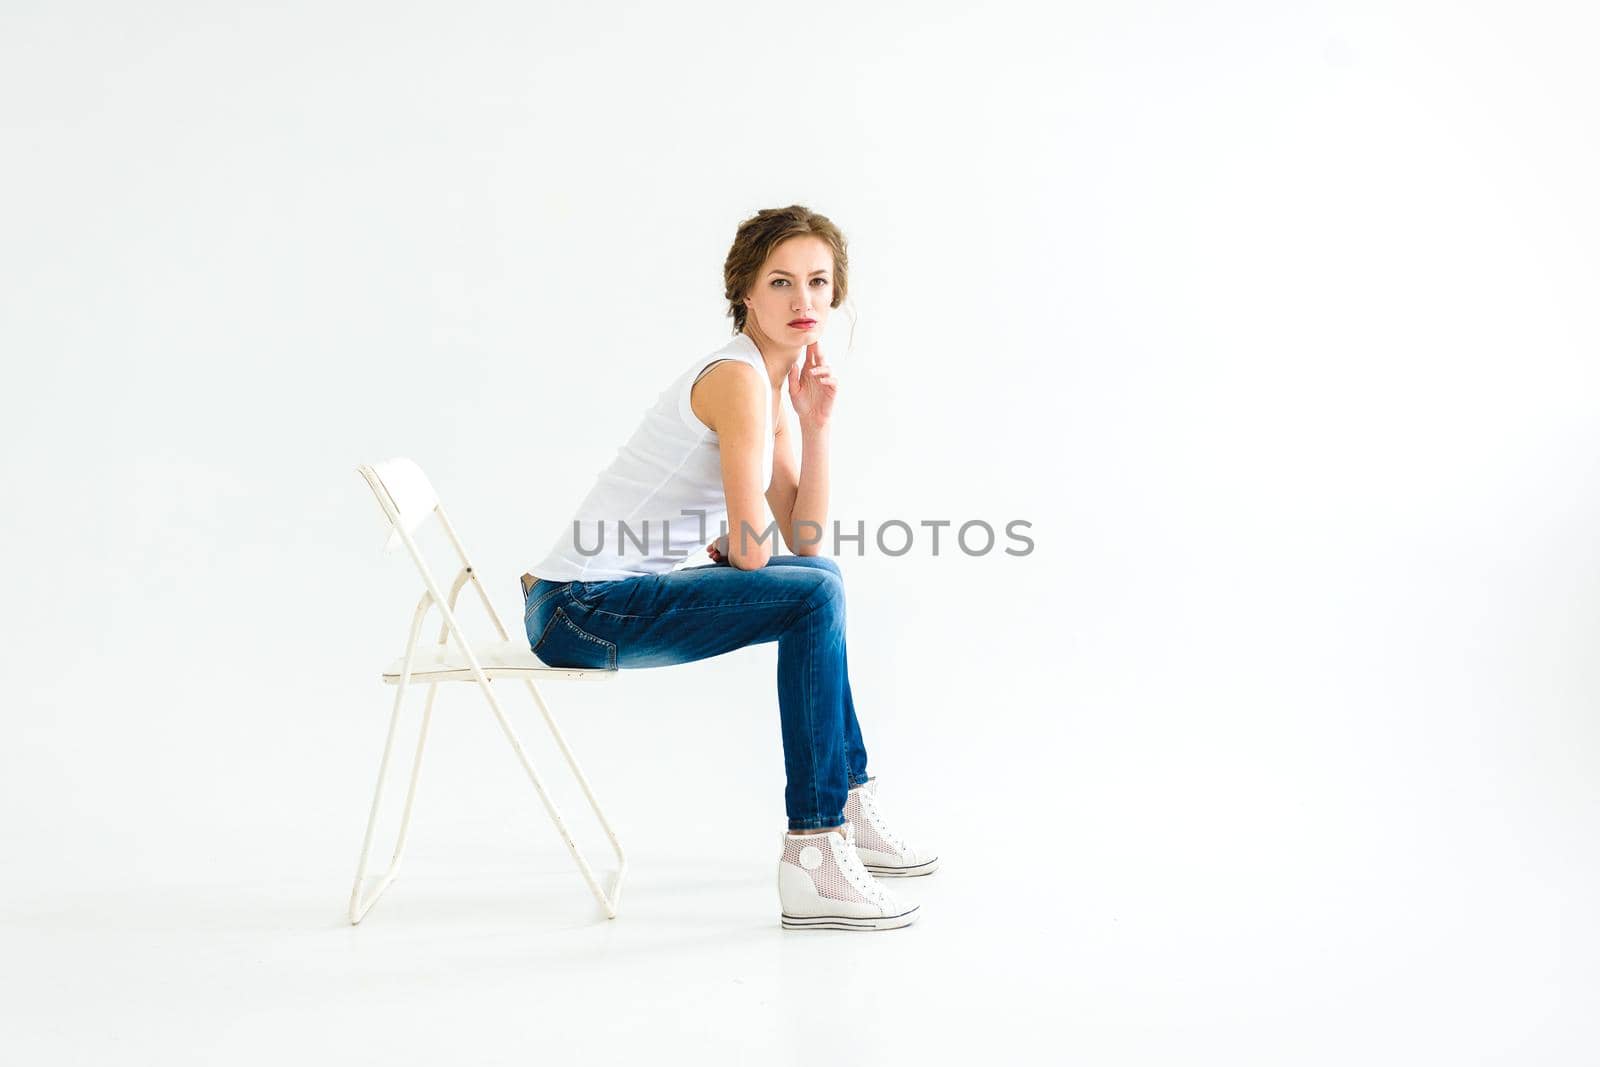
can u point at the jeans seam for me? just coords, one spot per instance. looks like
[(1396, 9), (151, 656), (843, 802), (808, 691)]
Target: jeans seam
[(543, 597), (610, 647), (804, 605), (560, 615), (814, 716), (699, 607), (586, 635), (534, 648)]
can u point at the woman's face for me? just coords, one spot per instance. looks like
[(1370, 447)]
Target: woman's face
[(789, 302)]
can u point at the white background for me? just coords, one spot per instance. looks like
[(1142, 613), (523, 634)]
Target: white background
[(1277, 322)]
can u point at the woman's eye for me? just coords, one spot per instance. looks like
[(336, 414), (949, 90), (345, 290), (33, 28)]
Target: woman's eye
[(824, 281)]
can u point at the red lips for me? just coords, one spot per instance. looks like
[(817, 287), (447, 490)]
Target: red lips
[(803, 323)]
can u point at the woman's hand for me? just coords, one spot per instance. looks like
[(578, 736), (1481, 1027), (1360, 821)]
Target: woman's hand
[(718, 549), (812, 388)]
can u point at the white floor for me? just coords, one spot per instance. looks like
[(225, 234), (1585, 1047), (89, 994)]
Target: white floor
[(1111, 895), (508, 966)]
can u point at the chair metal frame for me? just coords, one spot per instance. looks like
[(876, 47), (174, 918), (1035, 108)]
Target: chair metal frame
[(408, 501)]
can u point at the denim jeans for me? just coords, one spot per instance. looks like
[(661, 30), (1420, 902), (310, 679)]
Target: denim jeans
[(654, 620)]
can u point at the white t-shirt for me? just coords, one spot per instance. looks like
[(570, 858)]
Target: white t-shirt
[(655, 491)]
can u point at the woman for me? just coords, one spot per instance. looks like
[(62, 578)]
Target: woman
[(717, 450)]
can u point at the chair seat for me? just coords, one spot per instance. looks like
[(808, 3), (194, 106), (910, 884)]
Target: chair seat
[(499, 659)]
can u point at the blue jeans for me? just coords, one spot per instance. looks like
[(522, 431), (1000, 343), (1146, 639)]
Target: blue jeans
[(654, 620)]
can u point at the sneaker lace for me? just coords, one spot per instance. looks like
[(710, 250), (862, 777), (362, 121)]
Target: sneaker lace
[(852, 868), (870, 805)]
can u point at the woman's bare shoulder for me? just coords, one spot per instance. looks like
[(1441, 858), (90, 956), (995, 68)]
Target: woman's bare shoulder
[(730, 390)]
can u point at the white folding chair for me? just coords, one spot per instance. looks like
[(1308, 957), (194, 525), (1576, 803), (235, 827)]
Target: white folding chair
[(408, 501)]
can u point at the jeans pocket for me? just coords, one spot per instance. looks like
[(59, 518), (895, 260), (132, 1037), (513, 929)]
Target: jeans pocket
[(536, 597), (563, 643)]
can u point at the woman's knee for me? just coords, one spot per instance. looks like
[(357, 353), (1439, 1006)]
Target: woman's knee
[(827, 592)]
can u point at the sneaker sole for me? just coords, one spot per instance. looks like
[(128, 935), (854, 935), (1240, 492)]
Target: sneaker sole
[(903, 872), (849, 922)]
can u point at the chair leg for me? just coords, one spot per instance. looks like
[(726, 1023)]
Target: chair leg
[(594, 805), (608, 900), (358, 906)]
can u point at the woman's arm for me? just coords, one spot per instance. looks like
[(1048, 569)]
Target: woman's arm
[(810, 502), (811, 393), (785, 480), (730, 398)]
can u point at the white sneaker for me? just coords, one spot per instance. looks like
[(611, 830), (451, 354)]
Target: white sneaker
[(883, 852), (823, 886)]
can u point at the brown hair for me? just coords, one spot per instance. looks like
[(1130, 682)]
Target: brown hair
[(766, 230)]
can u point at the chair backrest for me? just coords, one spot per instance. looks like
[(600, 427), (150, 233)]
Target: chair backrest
[(404, 493), (408, 500)]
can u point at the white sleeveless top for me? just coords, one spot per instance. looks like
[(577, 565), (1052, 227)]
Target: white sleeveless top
[(652, 494)]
